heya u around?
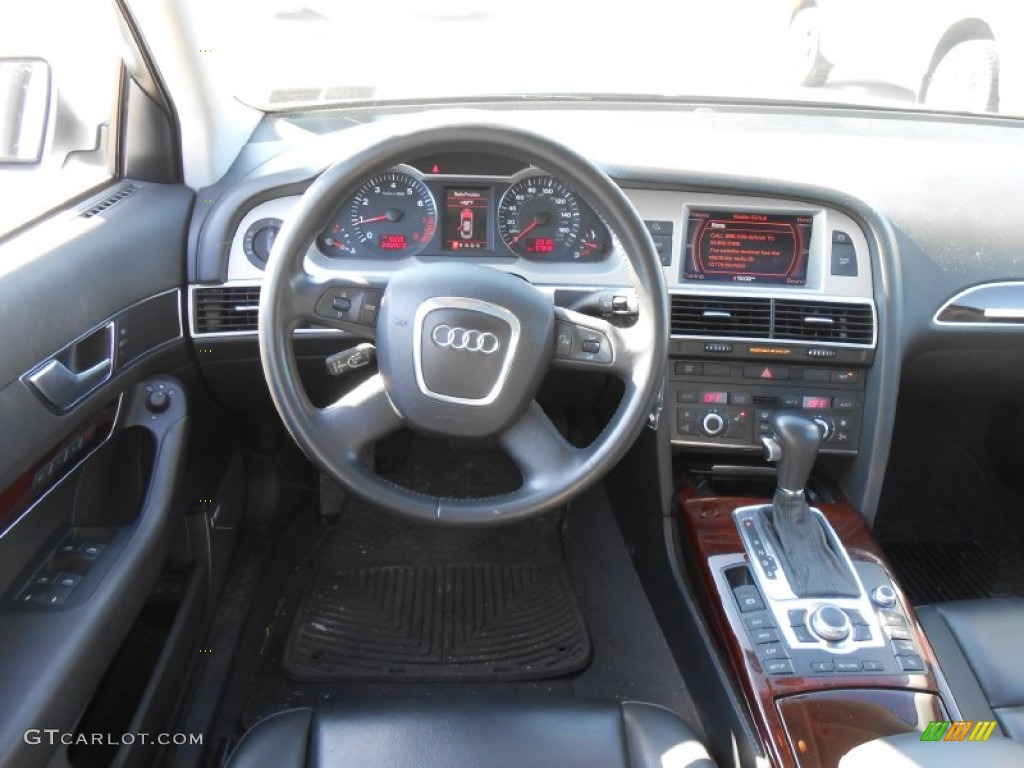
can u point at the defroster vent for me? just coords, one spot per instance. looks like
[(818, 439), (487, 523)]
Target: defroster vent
[(226, 309)]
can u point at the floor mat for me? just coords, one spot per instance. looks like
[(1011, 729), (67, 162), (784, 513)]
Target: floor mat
[(399, 600), (941, 571), (951, 526)]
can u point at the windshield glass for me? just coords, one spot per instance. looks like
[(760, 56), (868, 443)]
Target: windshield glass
[(949, 55)]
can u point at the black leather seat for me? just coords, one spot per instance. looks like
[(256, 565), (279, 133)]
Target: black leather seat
[(977, 643), (471, 732)]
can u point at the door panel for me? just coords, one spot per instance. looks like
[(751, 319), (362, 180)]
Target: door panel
[(88, 489)]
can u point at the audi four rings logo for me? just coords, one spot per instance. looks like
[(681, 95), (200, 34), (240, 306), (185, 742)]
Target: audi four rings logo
[(465, 339)]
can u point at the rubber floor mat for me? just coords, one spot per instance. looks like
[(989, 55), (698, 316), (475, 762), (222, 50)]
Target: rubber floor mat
[(392, 599)]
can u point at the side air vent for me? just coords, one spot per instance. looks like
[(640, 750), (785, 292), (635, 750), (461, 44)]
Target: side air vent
[(823, 322), (731, 317), (111, 201), (227, 309)]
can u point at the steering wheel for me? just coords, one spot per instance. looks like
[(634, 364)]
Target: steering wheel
[(462, 348)]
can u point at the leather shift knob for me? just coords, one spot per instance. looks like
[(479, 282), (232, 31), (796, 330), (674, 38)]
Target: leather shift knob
[(799, 438)]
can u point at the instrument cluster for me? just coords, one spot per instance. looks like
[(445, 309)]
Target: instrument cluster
[(405, 212)]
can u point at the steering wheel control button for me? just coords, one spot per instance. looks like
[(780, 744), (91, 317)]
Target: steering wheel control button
[(830, 623), (748, 598), (884, 596), (350, 304), (370, 307), (590, 346)]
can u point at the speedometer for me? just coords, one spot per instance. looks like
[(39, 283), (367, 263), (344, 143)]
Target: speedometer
[(539, 218), (391, 214)]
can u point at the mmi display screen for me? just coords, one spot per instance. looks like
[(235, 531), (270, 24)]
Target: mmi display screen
[(737, 247)]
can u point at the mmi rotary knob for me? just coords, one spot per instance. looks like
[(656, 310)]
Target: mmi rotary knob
[(830, 623)]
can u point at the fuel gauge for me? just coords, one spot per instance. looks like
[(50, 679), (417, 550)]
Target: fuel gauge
[(593, 245)]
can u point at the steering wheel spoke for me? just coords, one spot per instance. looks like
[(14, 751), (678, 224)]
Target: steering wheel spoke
[(539, 450), (583, 342), (359, 418), (336, 302)]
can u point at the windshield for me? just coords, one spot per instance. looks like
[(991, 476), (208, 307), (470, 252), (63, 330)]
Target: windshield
[(949, 55)]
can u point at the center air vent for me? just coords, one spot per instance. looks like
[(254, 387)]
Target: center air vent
[(731, 317), (226, 309), (823, 322), (778, 319)]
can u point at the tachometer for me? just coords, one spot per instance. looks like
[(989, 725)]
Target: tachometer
[(391, 214), (539, 218)]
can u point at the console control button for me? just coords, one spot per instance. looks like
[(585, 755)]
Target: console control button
[(894, 619), (797, 617), (770, 651), (803, 635), (884, 596), (849, 665), (822, 667), (855, 616), (910, 663), (767, 635), (873, 666), (861, 633), (830, 623), (904, 647), (749, 598), (760, 621), (898, 633), (778, 667)]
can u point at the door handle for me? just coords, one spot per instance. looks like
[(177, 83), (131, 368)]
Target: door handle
[(62, 386)]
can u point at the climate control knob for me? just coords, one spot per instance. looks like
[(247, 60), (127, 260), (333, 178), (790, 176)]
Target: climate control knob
[(825, 426), (830, 623), (713, 424)]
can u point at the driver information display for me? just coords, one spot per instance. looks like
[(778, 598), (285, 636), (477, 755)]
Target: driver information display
[(737, 247)]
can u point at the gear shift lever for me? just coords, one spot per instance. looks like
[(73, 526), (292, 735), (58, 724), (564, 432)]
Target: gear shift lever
[(813, 568), (798, 438)]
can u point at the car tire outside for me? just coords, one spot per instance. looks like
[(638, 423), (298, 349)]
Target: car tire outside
[(809, 67), (965, 78)]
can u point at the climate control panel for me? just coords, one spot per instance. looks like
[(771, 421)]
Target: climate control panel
[(729, 405)]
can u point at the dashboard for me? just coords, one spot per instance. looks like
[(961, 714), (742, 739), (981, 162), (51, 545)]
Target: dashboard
[(772, 298), (833, 278)]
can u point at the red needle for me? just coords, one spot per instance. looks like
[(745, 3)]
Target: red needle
[(518, 237), (382, 217)]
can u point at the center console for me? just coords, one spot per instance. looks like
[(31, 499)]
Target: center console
[(774, 335)]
